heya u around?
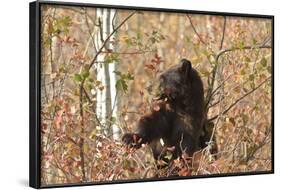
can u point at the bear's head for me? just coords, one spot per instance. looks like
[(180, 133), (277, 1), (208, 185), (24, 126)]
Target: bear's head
[(174, 83)]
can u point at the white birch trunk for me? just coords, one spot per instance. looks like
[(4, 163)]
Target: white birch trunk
[(100, 107), (114, 96), (106, 99)]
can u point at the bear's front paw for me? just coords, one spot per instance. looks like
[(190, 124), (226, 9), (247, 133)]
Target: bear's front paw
[(132, 140)]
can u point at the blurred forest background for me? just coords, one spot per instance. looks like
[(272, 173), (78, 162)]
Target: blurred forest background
[(99, 71)]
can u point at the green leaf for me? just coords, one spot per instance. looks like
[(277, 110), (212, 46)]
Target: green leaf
[(117, 73), (86, 74), (77, 77), (125, 154), (242, 72), (252, 85), (128, 42), (128, 76), (254, 41), (111, 58), (207, 53), (263, 62), (121, 85), (241, 45), (205, 73), (251, 77), (113, 119), (62, 24), (269, 69), (247, 59)]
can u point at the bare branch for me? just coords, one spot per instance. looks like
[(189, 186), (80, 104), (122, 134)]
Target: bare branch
[(113, 20), (81, 143), (223, 32), (82, 90), (216, 103), (220, 85), (89, 29), (211, 86), (241, 98), (107, 39), (219, 54), (243, 48), (194, 29), (214, 72)]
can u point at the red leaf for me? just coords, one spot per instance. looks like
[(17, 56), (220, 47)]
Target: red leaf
[(150, 66)]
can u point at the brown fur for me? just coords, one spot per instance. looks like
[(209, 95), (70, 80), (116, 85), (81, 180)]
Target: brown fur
[(179, 121)]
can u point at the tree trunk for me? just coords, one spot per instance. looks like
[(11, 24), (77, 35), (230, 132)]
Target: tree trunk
[(107, 98)]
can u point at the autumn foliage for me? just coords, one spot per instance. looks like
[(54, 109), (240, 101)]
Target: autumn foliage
[(232, 55)]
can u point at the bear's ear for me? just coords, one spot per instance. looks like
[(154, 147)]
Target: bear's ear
[(185, 68)]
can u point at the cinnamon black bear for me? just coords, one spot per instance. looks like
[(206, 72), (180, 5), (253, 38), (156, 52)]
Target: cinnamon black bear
[(179, 121), (153, 127)]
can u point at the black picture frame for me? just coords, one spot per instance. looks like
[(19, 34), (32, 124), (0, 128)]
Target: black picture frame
[(35, 94)]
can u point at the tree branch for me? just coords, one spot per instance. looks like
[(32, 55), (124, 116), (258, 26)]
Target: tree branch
[(81, 143), (214, 72), (257, 147), (220, 85), (194, 29), (223, 32), (107, 39), (113, 20), (82, 90), (216, 103), (220, 53), (89, 30), (241, 98)]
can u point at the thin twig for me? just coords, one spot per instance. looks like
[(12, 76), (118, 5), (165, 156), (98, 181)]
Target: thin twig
[(258, 147), (219, 54), (82, 90), (241, 98), (107, 39), (81, 144), (214, 72), (217, 102), (222, 38), (221, 84), (113, 20), (242, 48), (89, 29), (194, 29)]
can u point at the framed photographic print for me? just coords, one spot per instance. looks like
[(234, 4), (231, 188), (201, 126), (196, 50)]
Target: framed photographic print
[(131, 94)]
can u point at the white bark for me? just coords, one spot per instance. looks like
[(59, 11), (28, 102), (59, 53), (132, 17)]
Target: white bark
[(100, 107), (114, 96), (106, 98)]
